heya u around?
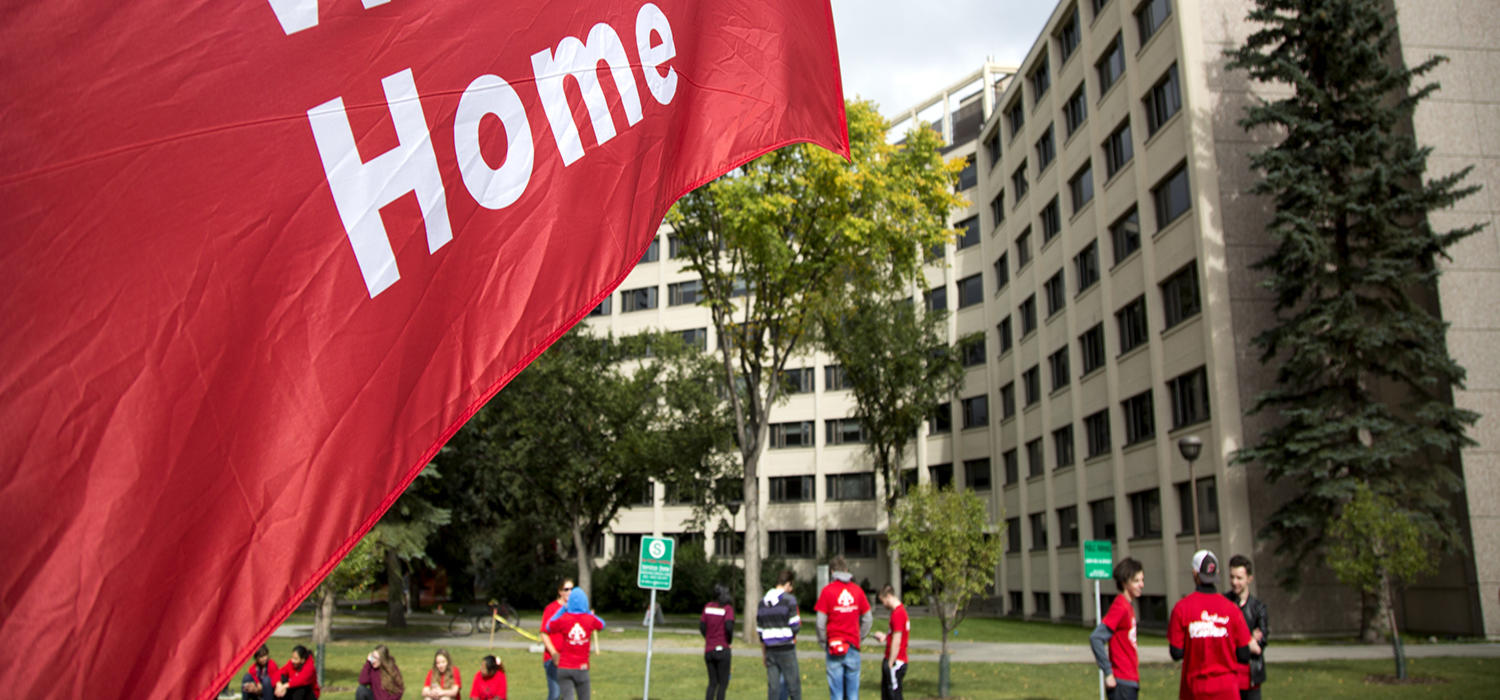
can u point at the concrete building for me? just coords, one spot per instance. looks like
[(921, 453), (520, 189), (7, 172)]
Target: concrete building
[(1105, 257)]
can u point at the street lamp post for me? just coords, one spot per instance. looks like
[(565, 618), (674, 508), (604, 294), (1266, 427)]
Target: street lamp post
[(1190, 447)]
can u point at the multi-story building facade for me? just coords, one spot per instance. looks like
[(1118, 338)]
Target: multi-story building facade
[(1104, 256)]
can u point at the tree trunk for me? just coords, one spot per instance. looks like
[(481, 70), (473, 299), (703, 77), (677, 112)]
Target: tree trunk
[(943, 658), (1369, 617), (894, 559), (585, 562), (752, 540), (323, 616), (395, 606), (1397, 649)]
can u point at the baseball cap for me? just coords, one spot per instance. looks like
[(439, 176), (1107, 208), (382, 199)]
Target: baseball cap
[(1207, 565)]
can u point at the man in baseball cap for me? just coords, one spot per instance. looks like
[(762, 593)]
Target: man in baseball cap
[(1207, 634)]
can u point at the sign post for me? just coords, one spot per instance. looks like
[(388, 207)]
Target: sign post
[(1098, 559), (654, 572)]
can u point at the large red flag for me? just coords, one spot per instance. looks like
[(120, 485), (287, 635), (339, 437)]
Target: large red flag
[(261, 259)]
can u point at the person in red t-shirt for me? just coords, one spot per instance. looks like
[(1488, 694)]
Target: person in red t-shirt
[(444, 680), (1208, 634), (299, 677), (1113, 640), (259, 681), (549, 656), (489, 682), (574, 626), (893, 671), (844, 618)]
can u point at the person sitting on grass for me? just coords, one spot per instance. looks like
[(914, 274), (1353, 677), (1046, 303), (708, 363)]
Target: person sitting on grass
[(299, 677), (380, 678), (444, 679), (259, 680), (489, 682)]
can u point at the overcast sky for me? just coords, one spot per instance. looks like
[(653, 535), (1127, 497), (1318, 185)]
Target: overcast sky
[(899, 52)]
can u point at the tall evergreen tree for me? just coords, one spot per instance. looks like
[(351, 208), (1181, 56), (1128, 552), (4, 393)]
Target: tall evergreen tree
[(1363, 374)]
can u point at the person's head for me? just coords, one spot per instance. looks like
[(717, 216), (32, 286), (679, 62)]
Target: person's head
[(888, 597), (838, 564), (262, 656), (1241, 573), (563, 589), (786, 580), (300, 655), (578, 601), (383, 656), (442, 662), (1130, 577), (722, 595), (1205, 567), (492, 665)]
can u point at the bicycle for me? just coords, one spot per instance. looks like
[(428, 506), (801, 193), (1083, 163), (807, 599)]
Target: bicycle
[(464, 624)]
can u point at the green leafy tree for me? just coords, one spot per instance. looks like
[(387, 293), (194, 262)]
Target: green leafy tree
[(401, 538), (590, 425), (941, 537), (1363, 374), (783, 239), (900, 367), (1376, 545), (351, 578)]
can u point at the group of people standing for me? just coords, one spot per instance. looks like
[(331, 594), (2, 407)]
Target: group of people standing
[(1220, 639)]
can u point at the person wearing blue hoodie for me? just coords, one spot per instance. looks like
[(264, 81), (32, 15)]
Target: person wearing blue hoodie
[(574, 626)]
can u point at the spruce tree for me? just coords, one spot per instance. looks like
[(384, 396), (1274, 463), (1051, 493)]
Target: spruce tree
[(1363, 375)]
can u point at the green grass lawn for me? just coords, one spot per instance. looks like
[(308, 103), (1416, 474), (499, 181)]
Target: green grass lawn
[(618, 676)]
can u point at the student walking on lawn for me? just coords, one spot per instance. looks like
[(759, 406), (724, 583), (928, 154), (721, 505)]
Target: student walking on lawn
[(1114, 640)]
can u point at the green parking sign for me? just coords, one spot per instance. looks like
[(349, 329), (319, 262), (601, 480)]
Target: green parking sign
[(1098, 559), (655, 569)]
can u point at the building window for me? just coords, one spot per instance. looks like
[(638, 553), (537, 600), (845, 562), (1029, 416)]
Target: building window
[(970, 235), (1008, 400), (973, 352), (1098, 5), (1189, 392), (1031, 379), (941, 420), (1091, 348), (797, 381), (1034, 466), (1150, 16), (1023, 249), (1051, 221), (936, 299), (1028, 315), (977, 474), (1041, 80), (1013, 535), (1111, 65), (653, 252), (1179, 295), (1002, 272), (1018, 181), (1068, 36), (791, 489), (1140, 425), (976, 411), (1073, 602), (696, 338), (680, 293), (843, 431), (1075, 111), (1163, 101), (969, 175), (674, 247), (793, 434), (941, 475), (970, 291), (1208, 506), (1102, 513), (637, 299), (850, 544), (997, 209), (729, 544), (1096, 425), (1038, 532), (1046, 150), (835, 378), (1003, 329), (1086, 266), (1016, 116), (1145, 513), (1043, 601), (1012, 462), (1057, 293), (851, 487), (1132, 321), (1067, 531), (1058, 363), (627, 545), (1125, 235), (1118, 149), (992, 147), (602, 309), (1062, 447), (792, 544), (1081, 187)]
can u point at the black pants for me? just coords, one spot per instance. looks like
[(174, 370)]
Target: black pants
[(1123, 692), (718, 673), (364, 693), (892, 681), (1251, 694)]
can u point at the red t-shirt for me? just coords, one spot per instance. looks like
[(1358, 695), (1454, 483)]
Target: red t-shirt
[(844, 603), (458, 680), (492, 688), (571, 635), (902, 624), (1207, 628), (547, 614), (1123, 657), (305, 677)]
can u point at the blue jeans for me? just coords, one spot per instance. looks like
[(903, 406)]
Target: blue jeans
[(843, 675), (553, 690)]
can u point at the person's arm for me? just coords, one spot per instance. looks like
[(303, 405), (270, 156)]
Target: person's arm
[(547, 639), (457, 690), (1099, 643), (892, 646), (367, 675), (1176, 633), (823, 628), (703, 624), (866, 621), (1262, 632)]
